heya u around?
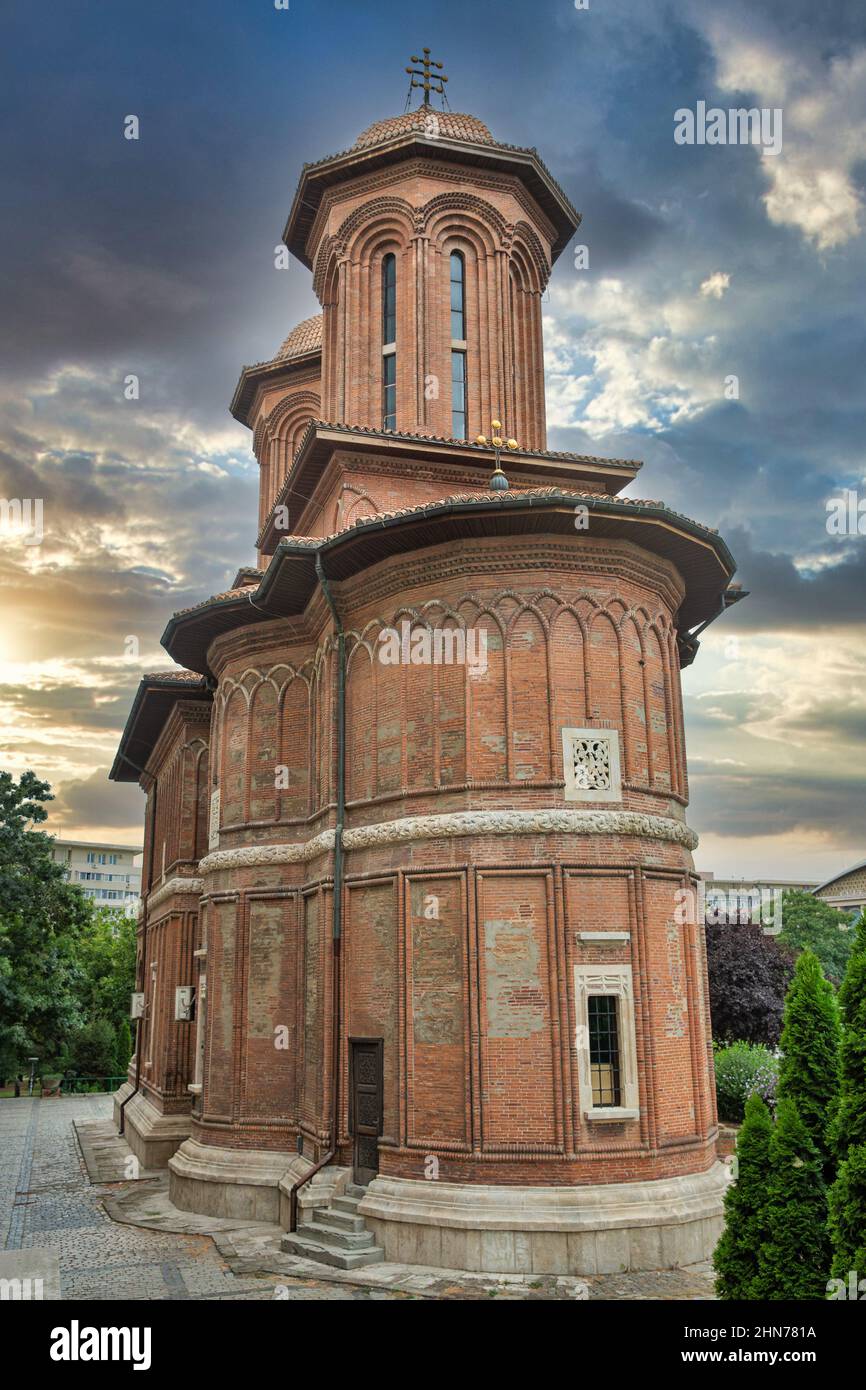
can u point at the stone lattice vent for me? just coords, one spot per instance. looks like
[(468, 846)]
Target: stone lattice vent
[(590, 758)]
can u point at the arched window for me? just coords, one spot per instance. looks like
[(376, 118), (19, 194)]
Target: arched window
[(458, 346), (389, 342)]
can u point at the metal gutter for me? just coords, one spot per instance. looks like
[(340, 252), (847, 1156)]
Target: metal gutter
[(337, 933), (139, 1034)]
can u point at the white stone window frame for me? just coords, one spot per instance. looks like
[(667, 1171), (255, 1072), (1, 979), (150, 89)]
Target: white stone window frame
[(573, 792), (615, 981)]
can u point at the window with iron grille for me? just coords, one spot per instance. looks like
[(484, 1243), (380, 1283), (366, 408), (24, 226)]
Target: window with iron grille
[(604, 1049)]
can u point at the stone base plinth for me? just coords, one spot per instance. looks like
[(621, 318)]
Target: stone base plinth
[(152, 1136), (249, 1184), (604, 1229), (328, 1182), (241, 1183)]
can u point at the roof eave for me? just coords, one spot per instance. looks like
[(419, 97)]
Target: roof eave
[(319, 437), (523, 162), (290, 579), (253, 376), (125, 767)]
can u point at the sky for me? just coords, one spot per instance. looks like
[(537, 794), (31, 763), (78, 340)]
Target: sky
[(706, 262)]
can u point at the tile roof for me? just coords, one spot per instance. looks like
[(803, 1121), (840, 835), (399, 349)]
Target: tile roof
[(452, 125), (484, 499), (305, 337), (176, 674), (462, 444)]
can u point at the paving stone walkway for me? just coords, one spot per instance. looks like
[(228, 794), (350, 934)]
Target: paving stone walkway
[(116, 1239), (49, 1206)]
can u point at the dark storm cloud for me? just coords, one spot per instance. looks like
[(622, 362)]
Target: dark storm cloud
[(744, 803), (783, 598), (843, 721), (96, 801), (156, 257), (92, 708)]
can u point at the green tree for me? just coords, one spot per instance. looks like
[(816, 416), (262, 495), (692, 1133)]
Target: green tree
[(122, 1047), (92, 1051), (748, 975), (848, 1126), (736, 1257), (809, 1070), (42, 919), (106, 961), (808, 923), (794, 1258), (847, 1224)]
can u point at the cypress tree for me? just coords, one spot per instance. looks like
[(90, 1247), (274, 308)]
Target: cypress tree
[(809, 1070), (847, 1224), (794, 1261), (736, 1257), (848, 1127)]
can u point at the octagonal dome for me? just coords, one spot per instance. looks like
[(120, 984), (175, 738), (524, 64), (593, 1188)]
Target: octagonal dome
[(446, 125), (305, 337)]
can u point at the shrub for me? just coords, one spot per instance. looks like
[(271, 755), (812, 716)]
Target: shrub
[(736, 1257), (742, 1070), (794, 1259), (748, 975), (848, 1126), (93, 1049), (847, 1224), (849, 1123), (809, 1069)]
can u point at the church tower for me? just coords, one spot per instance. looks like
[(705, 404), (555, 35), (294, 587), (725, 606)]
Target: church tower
[(416, 827)]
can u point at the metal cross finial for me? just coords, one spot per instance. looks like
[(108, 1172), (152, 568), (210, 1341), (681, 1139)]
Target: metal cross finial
[(432, 81), (498, 480)]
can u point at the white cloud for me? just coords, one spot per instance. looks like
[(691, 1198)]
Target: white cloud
[(636, 359), (715, 285), (811, 182)]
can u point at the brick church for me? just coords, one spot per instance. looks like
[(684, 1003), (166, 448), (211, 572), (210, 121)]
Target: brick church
[(412, 980)]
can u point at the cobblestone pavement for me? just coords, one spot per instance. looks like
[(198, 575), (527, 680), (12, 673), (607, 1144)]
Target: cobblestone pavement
[(48, 1204)]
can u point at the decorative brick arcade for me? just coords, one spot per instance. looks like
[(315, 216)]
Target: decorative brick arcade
[(429, 904)]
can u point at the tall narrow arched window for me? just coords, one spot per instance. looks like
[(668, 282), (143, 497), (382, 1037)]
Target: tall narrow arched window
[(389, 342), (458, 346)]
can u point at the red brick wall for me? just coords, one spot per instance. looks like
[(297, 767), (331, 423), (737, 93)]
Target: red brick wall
[(177, 776), (475, 1003), (421, 214)]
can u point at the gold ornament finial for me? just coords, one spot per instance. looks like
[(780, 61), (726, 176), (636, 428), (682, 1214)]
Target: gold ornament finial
[(431, 81), (498, 480)]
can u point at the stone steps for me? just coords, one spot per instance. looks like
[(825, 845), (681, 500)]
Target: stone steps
[(336, 1234), (338, 1216), (345, 1204), (298, 1244), (323, 1229)]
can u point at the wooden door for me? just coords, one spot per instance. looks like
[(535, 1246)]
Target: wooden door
[(366, 1092)]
